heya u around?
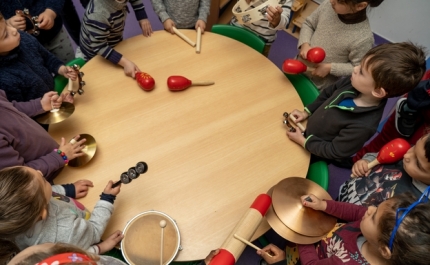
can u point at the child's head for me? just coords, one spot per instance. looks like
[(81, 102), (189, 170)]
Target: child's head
[(24, 197), (343, 7), (411, 241), (416, 161), (9, 37), (389, 70)]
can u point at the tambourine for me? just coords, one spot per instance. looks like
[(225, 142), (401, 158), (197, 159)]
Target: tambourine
[(33, 19), (76, 68), (246, 14)]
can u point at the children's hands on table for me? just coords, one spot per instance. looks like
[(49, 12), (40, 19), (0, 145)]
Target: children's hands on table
[(304, 50), (276, 253), (81, 188), (17, 22), (68, 72), (322, 70), (73, 148), (46, 19), (200, 23), (110, 242), (297, 137), (274, 15), (50, 100), (211, 255), (361, 168), (130, 69), (146, 27), (110, 190), (67, 97), (314, 202), (168, 25), (299, 115)]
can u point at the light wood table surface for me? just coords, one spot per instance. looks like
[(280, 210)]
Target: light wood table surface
[(210, 150)]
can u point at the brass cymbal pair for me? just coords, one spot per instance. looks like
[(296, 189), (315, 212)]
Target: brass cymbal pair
[(56, 115), (290, 219), (89, 151)]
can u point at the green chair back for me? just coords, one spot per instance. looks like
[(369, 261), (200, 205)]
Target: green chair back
[(318, 173), (60, 81), (240, 34)]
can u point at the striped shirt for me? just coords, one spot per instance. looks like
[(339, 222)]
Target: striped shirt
[(103, 26)]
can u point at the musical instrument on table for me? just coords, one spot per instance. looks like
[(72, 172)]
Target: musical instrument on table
[(33, 19), (290, 219), (145, 81), (293, 67), (246, 14), (315, 55), (289, 116), (81, 83), (89, 151), (56, 115), (232, 247), (185, 38), (199, 40), (391, 152), (143, 237), (132, 173), (179, 83)]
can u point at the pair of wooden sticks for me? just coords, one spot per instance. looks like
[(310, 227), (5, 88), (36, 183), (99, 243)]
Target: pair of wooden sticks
[(187, 40)]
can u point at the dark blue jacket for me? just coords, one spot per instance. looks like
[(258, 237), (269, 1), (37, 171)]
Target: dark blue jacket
[(36, 7), (26, 72)]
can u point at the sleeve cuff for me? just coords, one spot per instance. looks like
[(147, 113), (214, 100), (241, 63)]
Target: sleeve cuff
[(141, 14), (114, 57), (308, 111), (307, 138), (70, 190), (107, 197)]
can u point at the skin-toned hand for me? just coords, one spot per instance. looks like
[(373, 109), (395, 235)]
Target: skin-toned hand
[(67, 97), (304, 50), (17, 22), (146, 27), (276, 253), (299, 115), (322, 70), (46, 19), (110, 190), (81, 188), (211, 255), (315, 204), (200, 23), (297, 137), (72, 150), (130, 69), (360, 168), (274, 15), (110, 242), (50, 100), (168, 25), (67, 72)]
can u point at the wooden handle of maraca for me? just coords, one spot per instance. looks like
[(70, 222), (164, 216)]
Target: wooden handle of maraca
[(371, 164), (202, 83), (297, 123), (185, 38), (199, 40)]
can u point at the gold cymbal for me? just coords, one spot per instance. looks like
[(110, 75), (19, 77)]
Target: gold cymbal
[(288, 207), (89, 151), (55, 116)]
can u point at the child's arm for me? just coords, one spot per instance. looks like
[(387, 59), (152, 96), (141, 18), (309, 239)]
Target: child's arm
[(142, 17), (307, 30), (51, 62), (308, 256), (278, 17), (204, 8), (76, 190), (323, 96), (160, 10), (53, 9)]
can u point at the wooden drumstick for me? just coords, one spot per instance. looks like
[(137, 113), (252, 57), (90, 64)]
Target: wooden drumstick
[(250, 244), (185, 38), (297, 122), (199, 40), (70, 85), (162, 225)]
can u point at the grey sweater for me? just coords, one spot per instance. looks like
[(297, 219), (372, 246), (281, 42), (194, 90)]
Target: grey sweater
[(344, 44), (184, 13)]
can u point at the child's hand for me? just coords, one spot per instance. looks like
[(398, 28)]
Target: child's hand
[(299, 115), (277, 254), (110, 242), (73, 148), (360, 168), (145, 25), (297, 137), (322, 70), (313, 202), (130, 69), (81, 188), (304, 50), (211, 255), (274, 15), (50, 101), (67, 97), (17, 22), (67, 72), (201, 24), (168, 25), (110, 190), (46, 19)]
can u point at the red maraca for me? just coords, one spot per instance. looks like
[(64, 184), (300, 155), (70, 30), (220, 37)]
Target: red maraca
[(391, 152), (145, 81), (293, 67), (179, 83), (315, 55)]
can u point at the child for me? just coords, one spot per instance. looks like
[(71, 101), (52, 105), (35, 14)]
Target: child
[(342, 29), (382, 182), (29, 214), (276, 19), (52, 36), (396, 232), (26, 67), (186, 14), (24, 142), (346, 114), (102, 27)]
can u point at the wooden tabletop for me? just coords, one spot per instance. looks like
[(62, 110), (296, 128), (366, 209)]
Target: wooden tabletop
[(210, 150)]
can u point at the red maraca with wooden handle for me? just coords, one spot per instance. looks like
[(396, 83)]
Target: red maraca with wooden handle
[(315, 55), (391, 152), (179, 83), (294, 67)]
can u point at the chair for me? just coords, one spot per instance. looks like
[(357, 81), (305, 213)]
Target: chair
[(318, 173), (240, 34), (60, 81)]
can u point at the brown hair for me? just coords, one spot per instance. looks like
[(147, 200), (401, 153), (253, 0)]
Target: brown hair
[(353, 3), (22, 201), (412, 239), (396, 67)]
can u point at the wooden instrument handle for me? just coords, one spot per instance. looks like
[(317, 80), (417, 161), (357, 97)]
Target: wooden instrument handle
[(185, 38), (297, 123), (371, 164), (199, 40), (243, 240), (202, 83), (310, 69)]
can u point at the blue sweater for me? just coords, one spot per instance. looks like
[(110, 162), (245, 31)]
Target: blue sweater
[(26, 70), (36, 7)]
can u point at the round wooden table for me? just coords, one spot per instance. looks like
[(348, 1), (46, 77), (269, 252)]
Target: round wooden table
[(210, 150)]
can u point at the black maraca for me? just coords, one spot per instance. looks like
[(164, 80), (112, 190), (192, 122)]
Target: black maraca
[(132, 173)]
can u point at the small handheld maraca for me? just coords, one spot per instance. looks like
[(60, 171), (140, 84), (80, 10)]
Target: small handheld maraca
[(315, 55), (294, 67), (391, 152), (179, 83), (145, 81), (132, 173)]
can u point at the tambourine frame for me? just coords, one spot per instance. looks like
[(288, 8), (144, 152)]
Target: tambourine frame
[(245, 15), (33, 19)]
